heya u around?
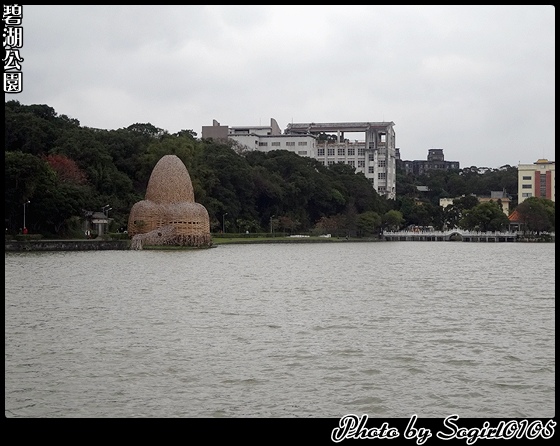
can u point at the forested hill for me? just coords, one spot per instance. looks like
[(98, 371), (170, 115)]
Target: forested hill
[(63, 168)]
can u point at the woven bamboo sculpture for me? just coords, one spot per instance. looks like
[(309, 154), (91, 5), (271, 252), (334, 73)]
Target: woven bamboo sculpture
[(169, 214)]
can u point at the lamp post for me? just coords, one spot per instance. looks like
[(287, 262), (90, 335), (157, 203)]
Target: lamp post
[(224, 223), (271, 228), (25, 203)]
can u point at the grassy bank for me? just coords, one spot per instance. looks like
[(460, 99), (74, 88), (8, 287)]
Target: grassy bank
[(245, 240)]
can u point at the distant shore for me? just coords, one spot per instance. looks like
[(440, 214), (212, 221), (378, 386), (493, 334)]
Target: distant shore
[(106, 245)]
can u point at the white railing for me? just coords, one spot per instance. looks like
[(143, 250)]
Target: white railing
[(449, 232)]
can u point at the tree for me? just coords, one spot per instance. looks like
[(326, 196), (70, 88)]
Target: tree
[(393, 220), (147, 129), (25, 175), (369, 223), (330, 225), (186, 133), (484, 217), (466, 202), (286, 223), (54, 199), (451, 216), (66, 169), (54, 208), (537, 214), (26, 132), (127, 150)]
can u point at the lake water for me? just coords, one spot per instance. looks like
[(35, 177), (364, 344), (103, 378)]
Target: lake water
[(386, 329)]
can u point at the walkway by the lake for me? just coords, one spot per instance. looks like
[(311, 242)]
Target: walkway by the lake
[(450, 235)]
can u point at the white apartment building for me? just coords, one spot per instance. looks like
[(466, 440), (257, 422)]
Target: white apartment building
[(375, 155), (536, 180)]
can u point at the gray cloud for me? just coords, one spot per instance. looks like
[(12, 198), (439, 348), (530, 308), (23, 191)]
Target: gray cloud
[(477, 81)]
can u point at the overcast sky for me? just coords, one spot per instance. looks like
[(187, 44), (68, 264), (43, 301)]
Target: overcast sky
[(476, 81)]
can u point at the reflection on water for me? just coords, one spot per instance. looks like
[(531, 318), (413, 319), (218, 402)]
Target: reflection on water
[(313, 330)]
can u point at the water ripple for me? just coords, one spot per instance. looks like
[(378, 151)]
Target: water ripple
[(387, 329)]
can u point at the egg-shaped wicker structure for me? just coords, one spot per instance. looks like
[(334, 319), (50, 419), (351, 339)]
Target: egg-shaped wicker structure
[(169, 215)]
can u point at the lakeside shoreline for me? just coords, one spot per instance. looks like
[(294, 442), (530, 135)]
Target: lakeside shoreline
[(121, 245), (105, 245)]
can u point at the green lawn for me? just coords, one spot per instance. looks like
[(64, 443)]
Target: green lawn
[(237, 240)]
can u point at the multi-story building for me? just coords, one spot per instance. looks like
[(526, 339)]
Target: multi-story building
[(536, 180), (434, 161), (374, 154)]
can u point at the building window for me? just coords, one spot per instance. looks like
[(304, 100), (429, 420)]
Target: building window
[(330, 152), (361, 152), (263, 144), (290, 144), (526, 178), (330, 163), (302, 143), (526, 194), (361, 163), (370, 169), (543, 185), (371, 180), (320, 152), (526, 186), (351, 151), (276, 144), (382, 163), (381, 176), (351, 163), (302, 152), (341, 151)]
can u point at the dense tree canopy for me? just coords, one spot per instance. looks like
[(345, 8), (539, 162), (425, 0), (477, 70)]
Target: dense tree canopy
[(537, 215), (487, 216), (65, 169)]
